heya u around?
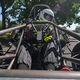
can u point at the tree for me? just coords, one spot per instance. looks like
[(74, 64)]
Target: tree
[(3, 14), (21, 8), (65, 10), (5, 4), (0, 25)]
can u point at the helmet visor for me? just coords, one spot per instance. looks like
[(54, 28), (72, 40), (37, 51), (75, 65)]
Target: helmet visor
[(48, 17)]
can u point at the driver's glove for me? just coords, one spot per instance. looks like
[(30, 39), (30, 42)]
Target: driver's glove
[(48, 38)]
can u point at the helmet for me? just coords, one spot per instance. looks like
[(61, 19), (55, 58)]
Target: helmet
[(46, 15)]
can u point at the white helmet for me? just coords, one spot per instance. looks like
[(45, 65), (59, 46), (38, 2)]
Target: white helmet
[(46, 15)]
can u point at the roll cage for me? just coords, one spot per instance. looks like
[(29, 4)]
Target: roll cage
[(38, 74), (68, 75)]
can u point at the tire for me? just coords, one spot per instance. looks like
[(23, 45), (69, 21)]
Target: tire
[(76, 51)]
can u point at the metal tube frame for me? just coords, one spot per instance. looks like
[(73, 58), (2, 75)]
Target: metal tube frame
[(39, 74), (43, 74), (73, 34)]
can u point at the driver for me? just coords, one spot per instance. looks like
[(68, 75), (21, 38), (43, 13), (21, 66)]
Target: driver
[(38, 50)]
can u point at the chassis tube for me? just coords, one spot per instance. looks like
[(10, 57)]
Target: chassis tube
[(40, 74)]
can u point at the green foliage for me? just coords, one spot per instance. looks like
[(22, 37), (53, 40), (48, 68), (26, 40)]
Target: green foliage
[(0, 25), (20, 11), (68, 12), (5, 4), (8, 3), (21, 8), (6, 36), (75, 10)]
